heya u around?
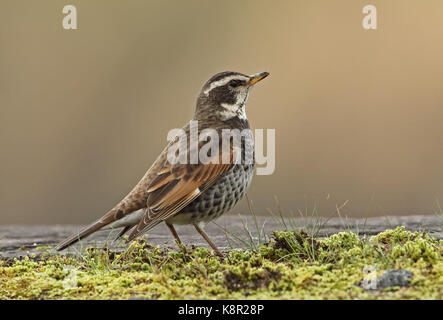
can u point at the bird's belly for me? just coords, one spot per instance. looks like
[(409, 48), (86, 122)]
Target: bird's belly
[(221, 197)]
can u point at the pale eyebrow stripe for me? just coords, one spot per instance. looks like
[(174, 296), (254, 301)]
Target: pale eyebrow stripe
[(223, 81)]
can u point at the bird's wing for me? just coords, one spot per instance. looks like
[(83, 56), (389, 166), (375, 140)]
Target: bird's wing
[(176, 186)]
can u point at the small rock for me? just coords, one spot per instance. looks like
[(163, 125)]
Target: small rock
[(392, 278)]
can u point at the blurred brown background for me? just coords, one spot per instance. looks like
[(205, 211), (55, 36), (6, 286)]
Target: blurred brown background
[(358, 114)]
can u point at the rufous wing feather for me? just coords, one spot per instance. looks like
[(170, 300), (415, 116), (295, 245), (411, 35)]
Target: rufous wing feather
[(175, 187)]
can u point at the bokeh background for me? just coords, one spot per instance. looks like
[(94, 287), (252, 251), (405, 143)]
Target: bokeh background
[(358, 114)]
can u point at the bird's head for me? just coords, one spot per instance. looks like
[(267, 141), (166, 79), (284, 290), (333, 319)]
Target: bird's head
[(224, 96)]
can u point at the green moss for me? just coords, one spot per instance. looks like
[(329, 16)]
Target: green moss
[(292, 266)]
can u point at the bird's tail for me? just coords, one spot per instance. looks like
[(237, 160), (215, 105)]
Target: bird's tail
[(134, 201), (113, 215)]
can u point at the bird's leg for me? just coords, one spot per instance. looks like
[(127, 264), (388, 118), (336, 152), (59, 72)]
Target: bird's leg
[(177, 238), (205, 236), (122, 232)]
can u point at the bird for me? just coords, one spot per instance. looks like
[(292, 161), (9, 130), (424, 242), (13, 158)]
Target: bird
[(191, 192)]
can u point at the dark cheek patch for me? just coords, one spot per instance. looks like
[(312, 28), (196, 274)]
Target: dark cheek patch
[(224, 95)]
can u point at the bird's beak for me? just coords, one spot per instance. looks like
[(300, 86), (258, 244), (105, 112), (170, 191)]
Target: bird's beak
[(256, 78)]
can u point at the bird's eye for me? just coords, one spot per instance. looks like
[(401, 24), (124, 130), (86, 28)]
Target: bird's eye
[(235, 83)]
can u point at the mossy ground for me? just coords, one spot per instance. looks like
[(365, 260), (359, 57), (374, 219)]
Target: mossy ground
[(291, 266)]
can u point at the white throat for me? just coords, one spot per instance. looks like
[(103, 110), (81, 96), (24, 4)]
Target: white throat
[(238, 109)]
